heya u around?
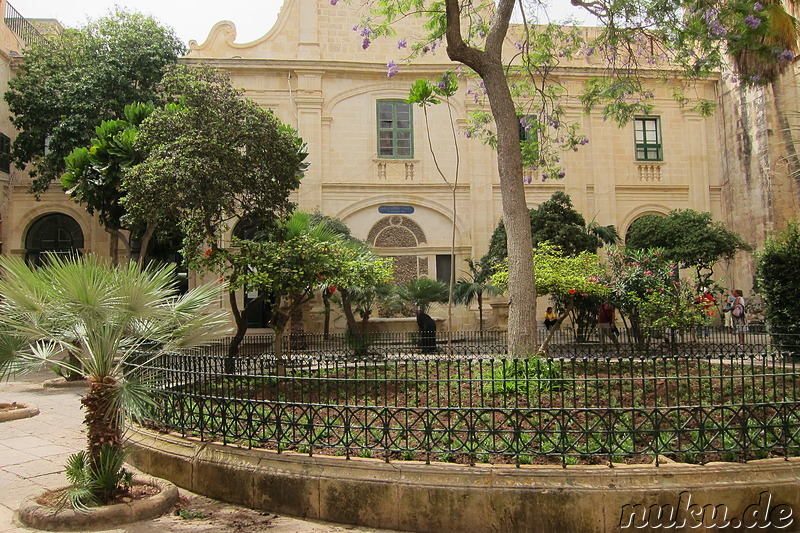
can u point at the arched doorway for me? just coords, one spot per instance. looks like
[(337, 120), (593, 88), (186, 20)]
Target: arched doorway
[(52, 234)]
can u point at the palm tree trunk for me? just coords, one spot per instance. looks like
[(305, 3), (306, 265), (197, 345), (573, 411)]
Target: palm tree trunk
[(779, 99), (102, 427)]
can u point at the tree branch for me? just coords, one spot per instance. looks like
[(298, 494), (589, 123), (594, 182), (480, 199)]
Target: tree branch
[(498, 28)]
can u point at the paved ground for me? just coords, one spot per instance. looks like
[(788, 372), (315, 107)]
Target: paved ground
[(34, 450)]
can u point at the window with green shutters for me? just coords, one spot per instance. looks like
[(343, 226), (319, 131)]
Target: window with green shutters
[(395, 129), (647, 132)]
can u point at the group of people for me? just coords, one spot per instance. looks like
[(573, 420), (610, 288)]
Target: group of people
[(734, 312)]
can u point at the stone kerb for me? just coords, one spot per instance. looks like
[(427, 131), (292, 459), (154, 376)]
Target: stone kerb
[(413, 496), (38, 516), (18, 412)]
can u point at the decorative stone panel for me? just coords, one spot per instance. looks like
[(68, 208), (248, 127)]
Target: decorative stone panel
[(396, 232), (650, 172), (405, 268)]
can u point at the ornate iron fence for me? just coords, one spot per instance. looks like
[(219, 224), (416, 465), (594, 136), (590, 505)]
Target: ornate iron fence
[(469, 343), (589, 404)]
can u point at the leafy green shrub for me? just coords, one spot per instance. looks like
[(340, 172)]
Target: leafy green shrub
[(778, 272), (96, 482)]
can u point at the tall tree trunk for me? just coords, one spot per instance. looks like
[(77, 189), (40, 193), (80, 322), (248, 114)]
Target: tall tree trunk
[(116, 237), (113, 246), (240, 318), (326, 303), (297, 329), (347, 308), (480, 313), (488, 63), (146, 238)]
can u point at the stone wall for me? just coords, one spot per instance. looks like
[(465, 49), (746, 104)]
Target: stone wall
[(760, 192)]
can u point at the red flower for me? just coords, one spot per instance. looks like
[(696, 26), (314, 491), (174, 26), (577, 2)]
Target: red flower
[(572, 291), (208, 252), (331, 289)]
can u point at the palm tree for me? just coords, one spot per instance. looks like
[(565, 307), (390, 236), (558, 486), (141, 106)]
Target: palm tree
[(607, 234), (422, 292), (472, 288), (86, 316), (765, 58)]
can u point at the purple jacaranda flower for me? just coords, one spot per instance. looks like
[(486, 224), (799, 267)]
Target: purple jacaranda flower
[(752, 21), (717, 29), (355, 28), (786, 55), (755, 78), (392, 69), (365, 43), (402, 43), (334, 2), (758, 7), (365, 31), (518, 45), (561, 174), (584, 141)]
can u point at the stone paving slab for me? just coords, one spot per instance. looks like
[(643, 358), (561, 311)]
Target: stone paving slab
[(33, 452)]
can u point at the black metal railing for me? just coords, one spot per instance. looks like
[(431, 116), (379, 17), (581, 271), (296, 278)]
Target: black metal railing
[(564, 342), (586, 406), (22, 27)]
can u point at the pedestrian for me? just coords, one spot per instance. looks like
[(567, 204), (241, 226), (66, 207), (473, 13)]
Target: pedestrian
[(708, 304), (739, 314), (606, 325), (727, 312), (550, 318)]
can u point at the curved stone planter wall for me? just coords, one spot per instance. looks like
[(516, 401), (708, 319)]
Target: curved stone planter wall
[(22, 411), (412, 496), (40, 517)]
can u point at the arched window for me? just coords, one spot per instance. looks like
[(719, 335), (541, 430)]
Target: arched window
[(53, 234)]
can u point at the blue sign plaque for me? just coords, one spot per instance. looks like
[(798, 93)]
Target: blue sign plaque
[(396, 209)]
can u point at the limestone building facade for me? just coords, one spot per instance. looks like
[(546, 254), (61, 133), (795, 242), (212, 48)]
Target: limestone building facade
[(312, 71), (372, 164)]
